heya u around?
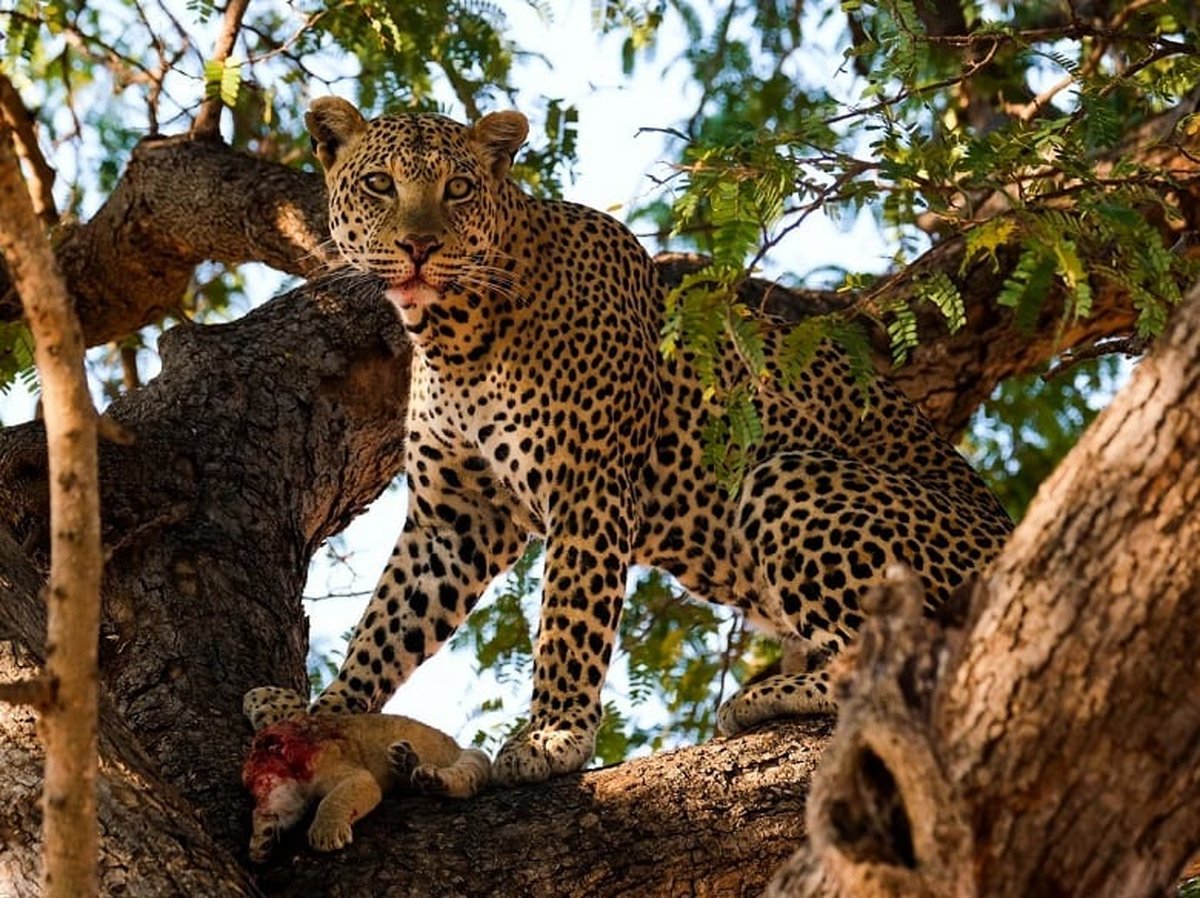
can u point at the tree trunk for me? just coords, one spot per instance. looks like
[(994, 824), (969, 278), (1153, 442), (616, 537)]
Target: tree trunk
[(153, 845), (257, 441), (1051, 745)]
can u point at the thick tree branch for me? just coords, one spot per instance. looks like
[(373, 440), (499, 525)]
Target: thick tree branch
[(154, 845), (714, 820), (181, 202)]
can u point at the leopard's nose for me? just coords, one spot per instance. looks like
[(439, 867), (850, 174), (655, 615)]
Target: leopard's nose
[(420, 247)]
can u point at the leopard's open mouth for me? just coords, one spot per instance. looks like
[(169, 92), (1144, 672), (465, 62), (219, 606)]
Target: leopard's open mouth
[(411, 293)]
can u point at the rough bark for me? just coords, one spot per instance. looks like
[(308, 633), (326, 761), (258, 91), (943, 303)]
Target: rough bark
[(153, 845), (1052, 744), (181, 202), (708, 821)]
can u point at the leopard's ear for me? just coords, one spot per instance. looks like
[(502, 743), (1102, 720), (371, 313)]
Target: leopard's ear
[(332, 123), (500, 134)]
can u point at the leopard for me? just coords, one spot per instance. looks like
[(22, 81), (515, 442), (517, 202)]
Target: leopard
[(542, 406), (343, 763)]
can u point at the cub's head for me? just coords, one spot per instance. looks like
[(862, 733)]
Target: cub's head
[(415, 199)]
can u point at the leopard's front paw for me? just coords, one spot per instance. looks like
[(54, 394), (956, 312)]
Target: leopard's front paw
[(333, 701), (536, 754), (266, 705), (329, 835)]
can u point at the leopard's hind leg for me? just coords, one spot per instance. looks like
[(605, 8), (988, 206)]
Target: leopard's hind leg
[(823, 528)]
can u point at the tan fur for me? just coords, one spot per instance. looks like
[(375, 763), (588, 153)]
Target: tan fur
[(345, 763)]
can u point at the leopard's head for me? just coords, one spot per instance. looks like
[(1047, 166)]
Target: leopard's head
[(418, 200)]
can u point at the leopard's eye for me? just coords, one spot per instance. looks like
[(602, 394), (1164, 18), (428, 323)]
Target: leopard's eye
[(459, 188), (379, 182)]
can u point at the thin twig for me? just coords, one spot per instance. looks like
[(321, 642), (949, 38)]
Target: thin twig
[(40, 174), (1130, 346), (967, 74)]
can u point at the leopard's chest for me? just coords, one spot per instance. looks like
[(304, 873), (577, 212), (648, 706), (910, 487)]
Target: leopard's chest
[(504, 430)]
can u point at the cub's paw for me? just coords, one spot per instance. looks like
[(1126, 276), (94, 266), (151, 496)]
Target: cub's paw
[(330, 835), (431, 780), (403, 760), (469, 773), (782, 695), (536, 754), (266, 705)]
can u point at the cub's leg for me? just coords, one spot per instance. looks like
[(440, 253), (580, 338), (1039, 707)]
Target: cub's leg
[(357, 793), (586, 560), (462, 778), (822, 529), (454, 542)]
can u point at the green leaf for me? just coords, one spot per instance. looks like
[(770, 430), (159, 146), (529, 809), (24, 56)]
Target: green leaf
[(222, 78), (901, 331), (852, 338), (1069, 266), (939, 290), (16, 357), (746, 331), (799, 347), (1102, 126), (987, 238), (1026, 289)]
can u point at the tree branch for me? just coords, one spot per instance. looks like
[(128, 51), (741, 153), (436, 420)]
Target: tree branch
[(713, 819), (35, 691), (73, 595), (41, 175)]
